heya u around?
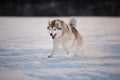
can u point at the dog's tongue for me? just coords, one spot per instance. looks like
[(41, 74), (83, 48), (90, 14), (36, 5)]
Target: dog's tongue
[(53, 36)]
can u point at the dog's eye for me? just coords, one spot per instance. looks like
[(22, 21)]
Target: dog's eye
[(49, 29), (59, 28)]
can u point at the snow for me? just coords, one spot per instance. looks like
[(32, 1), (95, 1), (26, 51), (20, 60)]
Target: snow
[(25, 45)]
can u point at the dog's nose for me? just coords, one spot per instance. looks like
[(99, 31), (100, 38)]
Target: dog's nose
[(50, 34)]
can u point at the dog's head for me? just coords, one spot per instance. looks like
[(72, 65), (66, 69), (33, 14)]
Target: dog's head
[(55, 29)]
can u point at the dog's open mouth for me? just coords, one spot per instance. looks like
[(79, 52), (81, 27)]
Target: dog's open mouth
[(53, 36)]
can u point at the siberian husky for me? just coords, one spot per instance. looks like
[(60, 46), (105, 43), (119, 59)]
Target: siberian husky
[(65, 35)]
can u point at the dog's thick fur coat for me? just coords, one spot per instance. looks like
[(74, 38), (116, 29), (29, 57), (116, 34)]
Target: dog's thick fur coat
[(66, 35)]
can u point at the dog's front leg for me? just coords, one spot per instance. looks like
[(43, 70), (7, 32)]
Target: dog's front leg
[(55, 47)]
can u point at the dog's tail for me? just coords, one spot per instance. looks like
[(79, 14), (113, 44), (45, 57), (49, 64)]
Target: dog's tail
[(72, 22)]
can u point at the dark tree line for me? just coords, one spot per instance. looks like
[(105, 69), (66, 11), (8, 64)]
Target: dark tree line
[(59, 8)]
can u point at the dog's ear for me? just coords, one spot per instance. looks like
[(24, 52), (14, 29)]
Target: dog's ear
[(57, 23), (48, 22)]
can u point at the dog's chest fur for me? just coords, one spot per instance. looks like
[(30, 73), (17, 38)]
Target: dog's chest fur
[(65, 41)]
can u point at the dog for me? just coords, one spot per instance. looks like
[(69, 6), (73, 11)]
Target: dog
[(65, 35)]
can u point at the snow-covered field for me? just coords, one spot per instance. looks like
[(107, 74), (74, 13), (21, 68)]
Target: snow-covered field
[(25, 44)]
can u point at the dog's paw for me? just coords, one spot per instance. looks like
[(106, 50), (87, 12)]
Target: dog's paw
[(70, 55), (49, 56), (67, 56)]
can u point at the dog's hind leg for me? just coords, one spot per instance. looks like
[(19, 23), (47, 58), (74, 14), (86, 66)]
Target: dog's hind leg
[(66, 49)]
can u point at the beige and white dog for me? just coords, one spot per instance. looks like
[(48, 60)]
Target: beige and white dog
[(66, 35)]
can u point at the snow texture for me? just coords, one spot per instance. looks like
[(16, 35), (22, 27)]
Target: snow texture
[(25, 45)]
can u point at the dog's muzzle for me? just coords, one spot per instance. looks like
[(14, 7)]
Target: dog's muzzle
[(53, 36)]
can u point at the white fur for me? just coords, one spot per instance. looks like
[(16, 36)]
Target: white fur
[(66, 37)]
